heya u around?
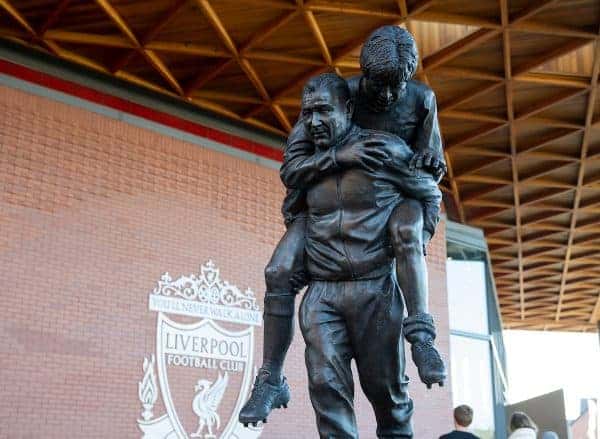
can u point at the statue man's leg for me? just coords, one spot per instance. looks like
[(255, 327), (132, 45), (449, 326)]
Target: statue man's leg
[(328, 355), (407, 234), (284, 276), (375, 323)]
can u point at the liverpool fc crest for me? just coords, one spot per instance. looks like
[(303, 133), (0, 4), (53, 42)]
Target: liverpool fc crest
[(204, 359)]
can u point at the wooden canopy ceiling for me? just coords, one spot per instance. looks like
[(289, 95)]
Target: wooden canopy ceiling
[(516, 82)]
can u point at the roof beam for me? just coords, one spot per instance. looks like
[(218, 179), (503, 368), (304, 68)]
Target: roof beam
[(457, 48), (244, 64), (187, 48), (508, 93), (544, 57), (342, 8), (552, 29), (118, 20), (462, 72), (548, 102), (91, 39), (580, 174), (53, 17), (595, 317), (310, 19), (16, 15), (268, 30), (473, 135), (281, 57), (467, 96), (450, 18), (149, 55), (339, 56), (150, 34), (532, 8)]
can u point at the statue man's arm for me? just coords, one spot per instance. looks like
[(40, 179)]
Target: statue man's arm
[(416, 184), (302, 163), (429, 153)]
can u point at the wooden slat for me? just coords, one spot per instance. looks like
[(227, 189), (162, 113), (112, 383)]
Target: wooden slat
[(344, 8), (15, 14), (89, 39), (187, 48), (461, 46), (157, 63), (544, 57), (469, 95), (532, 8), (118, 20), (548, 102), (244, 64), (462, 72), (151, 33), (53, 17), (268, 30), (316, 31), (580, 176), (474, 135), (452, 18)]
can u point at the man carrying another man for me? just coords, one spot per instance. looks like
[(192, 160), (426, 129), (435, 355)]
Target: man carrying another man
[(398, 221)]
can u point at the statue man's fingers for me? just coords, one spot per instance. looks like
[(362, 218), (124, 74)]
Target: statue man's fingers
[(419, 162), (371, 163), (377, 154), (444, 168), (373, 143), (413, 162)]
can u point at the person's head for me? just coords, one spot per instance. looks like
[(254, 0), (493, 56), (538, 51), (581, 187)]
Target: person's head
[(388, 59), (521, 420), (326, 109), (463, 416)]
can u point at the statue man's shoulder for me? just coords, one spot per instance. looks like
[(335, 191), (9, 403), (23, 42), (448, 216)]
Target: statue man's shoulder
[(420, 91)]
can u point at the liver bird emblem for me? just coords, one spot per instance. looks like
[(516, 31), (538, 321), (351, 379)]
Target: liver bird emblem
[(206, 402)]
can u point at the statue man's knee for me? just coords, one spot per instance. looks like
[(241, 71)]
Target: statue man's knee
[(406, 236), (324, 380)]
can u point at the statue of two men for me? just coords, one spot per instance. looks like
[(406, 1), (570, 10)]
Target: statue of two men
[(361, 167)]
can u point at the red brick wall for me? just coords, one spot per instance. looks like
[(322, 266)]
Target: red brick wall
[(92, 212), (579, 427)]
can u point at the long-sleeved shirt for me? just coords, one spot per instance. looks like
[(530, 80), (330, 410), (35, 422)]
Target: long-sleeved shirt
[(348, 209), (413, 118)]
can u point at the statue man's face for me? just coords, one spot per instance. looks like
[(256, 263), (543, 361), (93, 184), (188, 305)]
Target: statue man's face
[(383, 93), (325, 116)]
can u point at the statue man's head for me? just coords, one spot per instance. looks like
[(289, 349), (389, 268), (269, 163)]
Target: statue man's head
[(326, 109), (388, 59)]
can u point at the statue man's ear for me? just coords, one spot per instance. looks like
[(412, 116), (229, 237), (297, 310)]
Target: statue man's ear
[(350, 108)]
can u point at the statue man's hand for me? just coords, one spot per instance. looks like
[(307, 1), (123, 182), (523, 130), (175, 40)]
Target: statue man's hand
[(430, 161), (367, 154)]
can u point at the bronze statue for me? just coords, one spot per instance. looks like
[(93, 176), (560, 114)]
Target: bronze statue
[(361, 167)]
